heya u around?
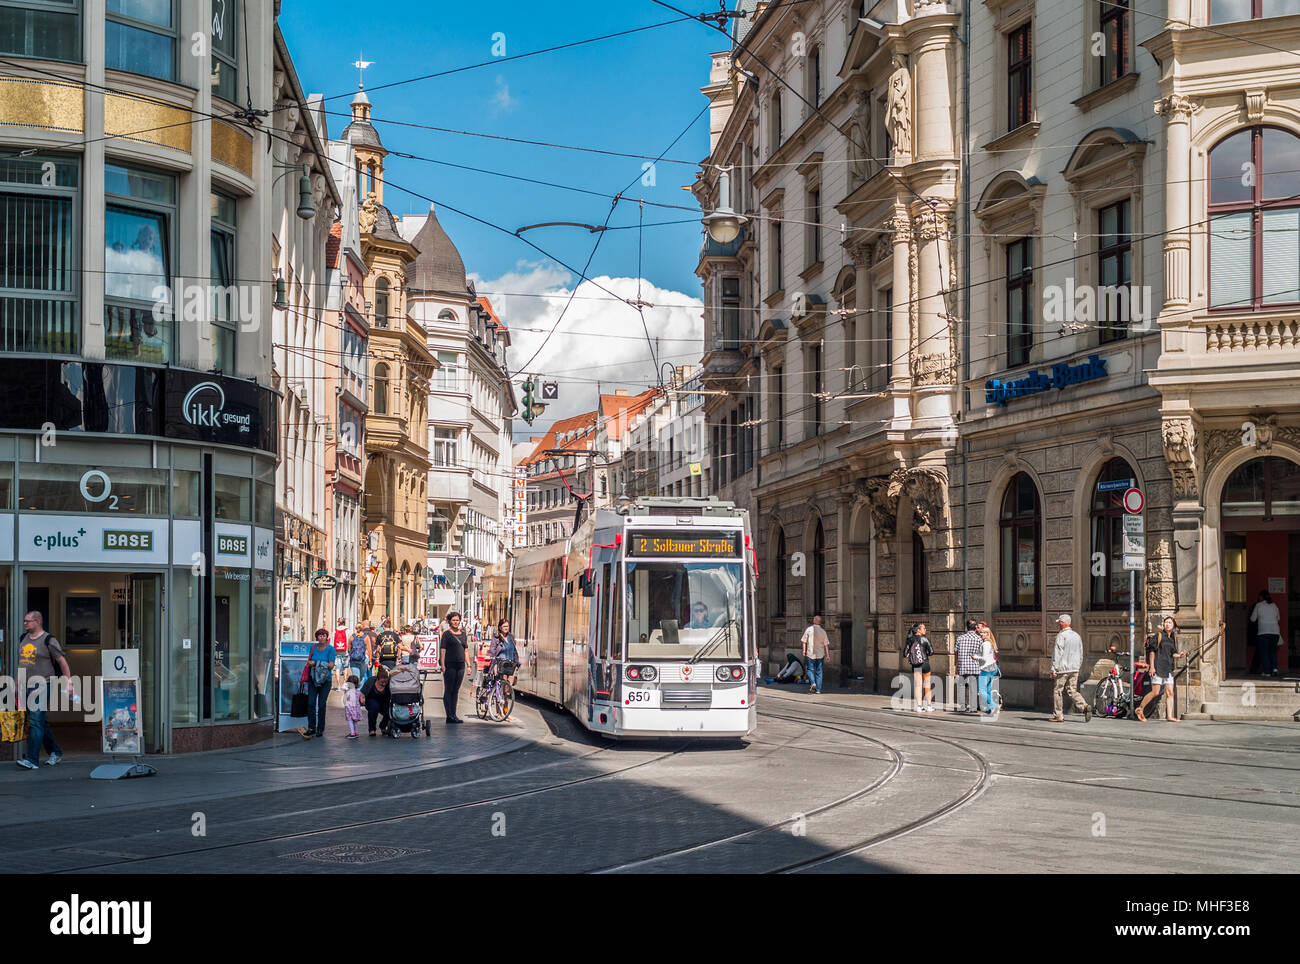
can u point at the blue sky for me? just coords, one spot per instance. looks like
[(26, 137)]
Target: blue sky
[(633, 94)]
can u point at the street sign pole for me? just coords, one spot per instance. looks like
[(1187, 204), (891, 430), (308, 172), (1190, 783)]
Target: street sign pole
[(1132, 671)]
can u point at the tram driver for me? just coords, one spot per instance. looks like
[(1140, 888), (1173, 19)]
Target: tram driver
[(700, 617)]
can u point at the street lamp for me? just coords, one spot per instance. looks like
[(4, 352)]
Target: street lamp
[(724, 223)]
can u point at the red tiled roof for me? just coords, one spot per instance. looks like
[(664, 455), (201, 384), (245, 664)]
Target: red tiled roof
[(619, 410), (584, 424), (487, 306), (333, 244)]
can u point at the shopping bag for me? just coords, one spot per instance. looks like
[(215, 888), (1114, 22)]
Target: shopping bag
[(298, 706), (13, 726)]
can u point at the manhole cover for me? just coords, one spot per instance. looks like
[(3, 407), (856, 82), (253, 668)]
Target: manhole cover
[(354, 854)]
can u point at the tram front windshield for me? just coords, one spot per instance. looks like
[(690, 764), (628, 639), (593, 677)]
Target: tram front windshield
[(685, 609)]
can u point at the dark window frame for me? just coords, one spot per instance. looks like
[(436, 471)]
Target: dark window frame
[(1112, 329), (1020, 288), (1113, 62), (778, 602), (30, 10), (920, 576), (146, 26), (1020, 73), (1106, 506), (1010, 524)]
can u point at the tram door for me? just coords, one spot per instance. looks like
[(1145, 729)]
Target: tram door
[(603, 684)]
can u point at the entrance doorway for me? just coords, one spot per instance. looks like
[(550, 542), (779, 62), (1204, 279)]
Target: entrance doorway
[(1261, 554), (90, 611)]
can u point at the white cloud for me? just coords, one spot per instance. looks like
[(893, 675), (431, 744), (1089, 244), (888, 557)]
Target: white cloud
[(599, 339), (502, 100)]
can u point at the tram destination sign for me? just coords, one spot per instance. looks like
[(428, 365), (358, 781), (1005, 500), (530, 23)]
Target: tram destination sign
[(652, 544)]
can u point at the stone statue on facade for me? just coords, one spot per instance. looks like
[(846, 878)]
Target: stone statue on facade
[(900, 109)]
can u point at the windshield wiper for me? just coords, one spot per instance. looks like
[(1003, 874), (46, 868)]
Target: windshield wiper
[(723, 633)]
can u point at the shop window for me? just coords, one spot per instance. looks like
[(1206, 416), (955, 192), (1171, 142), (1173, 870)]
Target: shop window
[(111, 490), (263, 644), (6, 485), (1020, 525), (1106, 563), (819, 571), (264, 504), (231, 498), (183, 613), (231, 652), (39, 236), (223, 297), (41, 29), (140, 36), (225, 50), (140, 209), (186, 501), (1254, 220)]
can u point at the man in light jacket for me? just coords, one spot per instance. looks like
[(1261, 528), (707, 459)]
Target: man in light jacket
[(1067, 659)]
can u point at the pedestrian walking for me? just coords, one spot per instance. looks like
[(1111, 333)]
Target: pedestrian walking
[(918, 651), (454, 646), (988, 666), (1268, 633), (816, 646), (352, 705), (38, 653), (358, 664), (320, 675), (1166, 652), (377, 699), (970, 647), (389, 641), (1067, 659)]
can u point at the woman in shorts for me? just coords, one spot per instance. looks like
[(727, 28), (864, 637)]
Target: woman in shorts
[(918, 651), (1166, 652)]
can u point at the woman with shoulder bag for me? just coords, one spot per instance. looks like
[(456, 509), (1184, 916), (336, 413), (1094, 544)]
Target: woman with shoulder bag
[(320, 676)]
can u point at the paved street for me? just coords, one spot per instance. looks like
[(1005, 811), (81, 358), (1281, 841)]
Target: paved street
[(837, 783)]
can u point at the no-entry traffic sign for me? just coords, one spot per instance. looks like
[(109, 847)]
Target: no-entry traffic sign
[(1133, 501)]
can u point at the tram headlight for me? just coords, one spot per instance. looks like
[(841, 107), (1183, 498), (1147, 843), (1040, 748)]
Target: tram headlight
[(723, 674), (649, 674), (737, 672), (634, 672)]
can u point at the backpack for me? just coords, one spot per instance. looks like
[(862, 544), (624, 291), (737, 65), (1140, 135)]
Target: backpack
[(357, 653), (916, 650)]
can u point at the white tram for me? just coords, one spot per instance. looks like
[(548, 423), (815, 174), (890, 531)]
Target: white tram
[(642, 623)]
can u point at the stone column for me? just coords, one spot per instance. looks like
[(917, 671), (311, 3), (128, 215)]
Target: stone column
[(900, 376), (1177, 111), (931, 362)]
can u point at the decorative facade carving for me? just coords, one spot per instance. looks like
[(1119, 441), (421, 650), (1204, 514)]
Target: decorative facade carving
[(1255, 101), (861, 251), (369, 213), (860, 159), (900, 109), (934, 369), (883, 506), (1176, 107), (1217, 442), (1179, 438), (925, 489)]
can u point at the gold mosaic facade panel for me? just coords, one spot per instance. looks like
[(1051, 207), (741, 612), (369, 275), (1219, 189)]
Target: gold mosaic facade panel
[(42, 103), (232, 147), (147, 120)]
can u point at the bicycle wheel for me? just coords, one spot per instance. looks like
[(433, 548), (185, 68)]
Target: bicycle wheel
[(481, 703), (1107, 695), (505, 700)]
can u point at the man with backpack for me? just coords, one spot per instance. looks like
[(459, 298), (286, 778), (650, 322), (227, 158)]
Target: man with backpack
[(359, 656), (389, 643), (38, 652)]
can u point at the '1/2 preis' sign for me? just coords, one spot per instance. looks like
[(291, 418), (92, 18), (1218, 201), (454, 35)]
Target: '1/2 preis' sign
[(998, 392)]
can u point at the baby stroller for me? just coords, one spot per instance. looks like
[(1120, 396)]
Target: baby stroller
[(406, 704)]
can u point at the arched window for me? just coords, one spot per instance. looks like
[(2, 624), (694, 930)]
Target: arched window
[(779, 568), (446, 315), (381, 302), (819, 572), (381, 389), (1019, 526), (1255, 220), (920, 577), (1262, 490), (1106, 563)]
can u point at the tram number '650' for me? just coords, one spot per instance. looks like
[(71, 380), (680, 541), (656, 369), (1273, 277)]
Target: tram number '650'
[(638, 696)]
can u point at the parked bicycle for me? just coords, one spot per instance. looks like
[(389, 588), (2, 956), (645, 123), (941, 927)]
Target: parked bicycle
[(1113, 697), (495, 697)]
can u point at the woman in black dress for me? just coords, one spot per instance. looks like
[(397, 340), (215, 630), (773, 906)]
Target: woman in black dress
[(454, 645)]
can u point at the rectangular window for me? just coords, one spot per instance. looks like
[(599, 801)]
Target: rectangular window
[(815, 76), (778, 255), (140, 36), (814, 229), (1114, 271), (1020, 308), (225, 50), (232, 498), (39, 237), (816, 382), (730, 314), (1280, 256), (778, 403), (51, 487), (41, 29), (447, 378), (1019, 77), (1113, 62), (139, 210), (776, 121), (1230, 261), (444, 447), (222, 295)]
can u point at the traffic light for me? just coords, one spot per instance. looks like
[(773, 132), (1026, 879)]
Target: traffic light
[(528, 401)]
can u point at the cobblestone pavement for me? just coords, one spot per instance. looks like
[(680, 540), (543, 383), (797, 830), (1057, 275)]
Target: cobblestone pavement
[(835, 783)]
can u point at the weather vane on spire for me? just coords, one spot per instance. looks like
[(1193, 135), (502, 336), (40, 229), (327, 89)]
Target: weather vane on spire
[(361, 66)]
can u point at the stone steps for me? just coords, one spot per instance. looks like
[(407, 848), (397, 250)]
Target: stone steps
[(1254, 700)]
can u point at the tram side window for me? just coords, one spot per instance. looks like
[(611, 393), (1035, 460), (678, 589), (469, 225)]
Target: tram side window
[(617, 601), (602, 612)]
